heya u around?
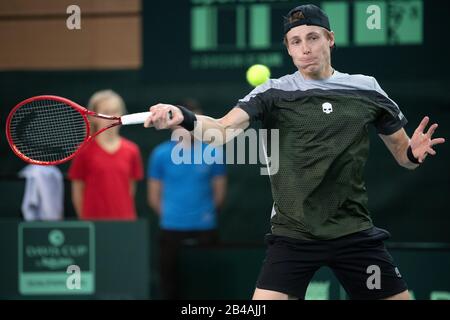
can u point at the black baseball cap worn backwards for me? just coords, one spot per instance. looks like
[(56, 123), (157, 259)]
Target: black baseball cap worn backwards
[(310, 15)]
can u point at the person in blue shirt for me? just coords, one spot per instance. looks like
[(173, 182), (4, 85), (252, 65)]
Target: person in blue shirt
[(186, 188)]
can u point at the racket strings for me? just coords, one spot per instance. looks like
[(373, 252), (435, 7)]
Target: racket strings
[(47, 130)]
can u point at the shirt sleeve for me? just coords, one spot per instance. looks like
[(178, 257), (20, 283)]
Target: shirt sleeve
[(218, 169), (78, 170), (137, 171), (155, 165), (258, 102), (391, 119)]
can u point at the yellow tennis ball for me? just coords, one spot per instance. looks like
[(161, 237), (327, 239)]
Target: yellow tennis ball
[(258, 74)]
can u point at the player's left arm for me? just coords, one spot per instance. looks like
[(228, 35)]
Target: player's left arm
[(421, 144)]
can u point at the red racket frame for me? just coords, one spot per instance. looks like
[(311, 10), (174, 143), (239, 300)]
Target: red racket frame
[(82, 110)]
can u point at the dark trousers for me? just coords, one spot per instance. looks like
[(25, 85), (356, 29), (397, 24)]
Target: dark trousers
[(171, 242)]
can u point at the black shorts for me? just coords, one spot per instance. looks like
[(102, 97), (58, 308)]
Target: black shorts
[(291, 263)]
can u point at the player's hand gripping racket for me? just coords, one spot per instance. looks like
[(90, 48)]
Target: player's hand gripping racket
[(49, 130)]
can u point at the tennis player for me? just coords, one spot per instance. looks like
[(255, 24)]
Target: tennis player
[(320, 214)]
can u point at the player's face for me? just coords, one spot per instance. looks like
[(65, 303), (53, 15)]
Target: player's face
[(309, 47)]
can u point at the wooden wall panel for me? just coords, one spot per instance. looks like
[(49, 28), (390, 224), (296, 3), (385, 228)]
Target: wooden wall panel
[(36, 39), (56, 7)]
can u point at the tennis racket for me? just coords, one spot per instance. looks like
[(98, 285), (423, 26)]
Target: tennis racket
[(49, 130)]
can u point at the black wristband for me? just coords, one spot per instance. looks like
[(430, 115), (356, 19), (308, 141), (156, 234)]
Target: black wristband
[(189, 118), (411, 157)]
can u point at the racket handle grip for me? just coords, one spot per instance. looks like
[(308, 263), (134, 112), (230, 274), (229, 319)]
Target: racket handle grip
[(135, 118)]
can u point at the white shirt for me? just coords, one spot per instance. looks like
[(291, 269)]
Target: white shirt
[(44, 193)]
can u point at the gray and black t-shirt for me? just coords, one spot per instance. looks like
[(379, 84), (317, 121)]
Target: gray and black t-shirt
[(319, 190)]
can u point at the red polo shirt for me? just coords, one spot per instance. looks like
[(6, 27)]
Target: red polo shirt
[(107, 178)]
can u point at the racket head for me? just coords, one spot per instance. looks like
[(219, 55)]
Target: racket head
[(47, 129)]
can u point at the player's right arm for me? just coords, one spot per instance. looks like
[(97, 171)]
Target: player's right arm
[(77, 196), (207, 129)]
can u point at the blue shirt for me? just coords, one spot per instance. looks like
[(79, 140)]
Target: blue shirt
[(187, 201)]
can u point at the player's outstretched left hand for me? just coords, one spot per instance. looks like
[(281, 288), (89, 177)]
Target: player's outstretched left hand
[(422, 143)]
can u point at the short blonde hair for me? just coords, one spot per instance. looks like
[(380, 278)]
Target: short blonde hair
[(103, 95)]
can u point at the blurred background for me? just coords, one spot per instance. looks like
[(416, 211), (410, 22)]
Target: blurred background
[(167, 51)]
